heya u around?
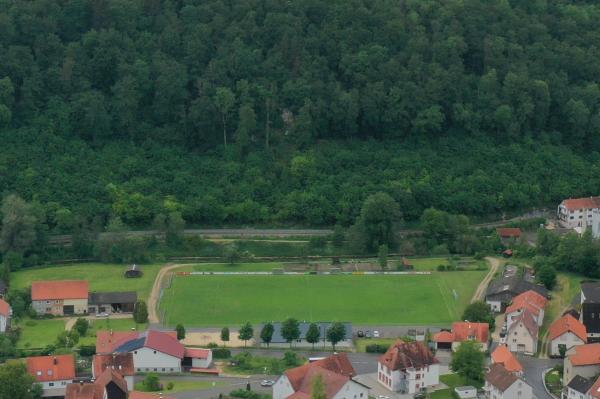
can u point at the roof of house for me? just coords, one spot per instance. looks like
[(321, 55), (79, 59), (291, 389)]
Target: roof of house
[(580, 384), (444, 336), (585, 355), (121, 362), (403, 355), (581, 203), (59, 289), (505, 288), (530, 300), (108, 341), (100, 298), (336, 371), (506, 358), (591, 291), (509, 232), (465, 330), (594, 391), (51, 368), (197, 353), (526, 318), (565, 324), (500, 378), (157, 340), (323, 326), (96, 389), (147, 395), (4, 308), (110, 375)]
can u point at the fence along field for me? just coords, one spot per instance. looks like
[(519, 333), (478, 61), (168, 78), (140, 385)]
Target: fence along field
[(217, 300)]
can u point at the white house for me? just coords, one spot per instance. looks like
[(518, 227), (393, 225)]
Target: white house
[(578, 388), (408, 367), (5, 315), (566, 332), (522, 335), (500, 384), (122, 363), (582, 360), (197, 358), (154, 351), (336, 372), (54, 373), (577, 213)]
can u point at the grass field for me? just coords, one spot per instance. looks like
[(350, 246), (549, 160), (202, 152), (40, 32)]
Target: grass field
[(567, 287), (39, 333), (102, 277), (181, 385), (212, 300), (453, 381), (108, 324)]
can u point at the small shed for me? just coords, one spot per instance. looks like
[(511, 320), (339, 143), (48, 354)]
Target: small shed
[(406, 265), (133, 271), (466, 392)]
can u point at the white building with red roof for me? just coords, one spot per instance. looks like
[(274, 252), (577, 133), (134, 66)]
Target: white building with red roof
[(567, 332), (522, 335), (53, 373), (463, 331), (531, 301), (577, 213), (5, 315), (122, 363), (408, 367), (501, 355), (337, 374), (60, 297)]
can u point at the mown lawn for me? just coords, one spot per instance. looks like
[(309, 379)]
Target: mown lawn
[(236, 267), (109, 324), (39, 333), (181, 385), (211, 300), (567, 287), (453, 381), (102, 277)]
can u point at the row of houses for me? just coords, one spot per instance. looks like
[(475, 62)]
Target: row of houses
[(126, 352), (73, 297)]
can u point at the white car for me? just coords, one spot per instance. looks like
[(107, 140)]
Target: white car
[(103, 314), (375, 334), (267, 383), (383, 397)]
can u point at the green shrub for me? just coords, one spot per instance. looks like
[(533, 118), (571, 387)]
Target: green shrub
[(87, 350), (441, 268), (376, 348), (221, 353), (170, 385)]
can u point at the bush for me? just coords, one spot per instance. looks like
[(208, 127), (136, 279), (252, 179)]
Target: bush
[(170, 385), (376, 348), (244, 394), (212, 345), (87, 350), (221, 353), (441, 268)]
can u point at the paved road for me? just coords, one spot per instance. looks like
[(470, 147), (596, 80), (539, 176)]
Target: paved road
[(533, 369)]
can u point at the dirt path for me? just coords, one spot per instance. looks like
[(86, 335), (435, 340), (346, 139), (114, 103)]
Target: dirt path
[(480, 292), (154, 294), (71, 320), (563, 305)]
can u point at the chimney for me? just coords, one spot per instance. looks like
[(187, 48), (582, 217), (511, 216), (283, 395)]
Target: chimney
[(55, 361), (81, 383)]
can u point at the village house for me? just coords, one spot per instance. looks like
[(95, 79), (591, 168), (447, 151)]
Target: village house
[(336, 372), (153, 351), (522, 335), (53, 373), (590, 310), (408, 367), (109, 385), (59, 298), (566, 332), (122, 363), (278, 341), (112, 302), (582, 360), (578, 388), (500, 292), (576, 213), (463, 331), (5, 315), (501, 355), (531, 301), (501, 384), (508, 235)]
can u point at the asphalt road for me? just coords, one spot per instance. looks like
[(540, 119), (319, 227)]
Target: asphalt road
[(533, 369)]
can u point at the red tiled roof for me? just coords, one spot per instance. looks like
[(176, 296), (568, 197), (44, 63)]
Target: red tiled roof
[(530, 300), (197, 353), (444, 336), (51, 368), (505, 357), (146, 395), (110, 375), (120, 362), (565, 324), (165, 343), (4, 308), (84, 391), (528, 321), (594, 391), (108, 341), (509, 232), (500, 378), (585, 355), (59, 289), (467, 331), (581, 203), (403, 355), (335, 370)]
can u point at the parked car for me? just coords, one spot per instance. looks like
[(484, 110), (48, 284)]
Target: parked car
[(267, 383), (360, 334), (103, 314), (383, 397), (368, 334), (375, 334)]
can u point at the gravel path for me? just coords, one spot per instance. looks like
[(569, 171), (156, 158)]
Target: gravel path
[(480, 292)]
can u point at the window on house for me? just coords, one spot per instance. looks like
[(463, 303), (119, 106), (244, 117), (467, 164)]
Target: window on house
[(50, 384), (154, 352), (163, 369)]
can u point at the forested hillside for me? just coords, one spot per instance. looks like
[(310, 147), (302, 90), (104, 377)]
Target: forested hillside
[(292, 112)]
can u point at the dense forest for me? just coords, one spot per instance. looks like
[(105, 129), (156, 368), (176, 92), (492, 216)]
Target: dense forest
[(293, 112)]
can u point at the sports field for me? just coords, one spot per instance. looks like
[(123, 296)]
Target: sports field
[(217, 300)]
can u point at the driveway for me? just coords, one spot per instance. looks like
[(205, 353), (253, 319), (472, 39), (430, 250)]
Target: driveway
[(533, 369)]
